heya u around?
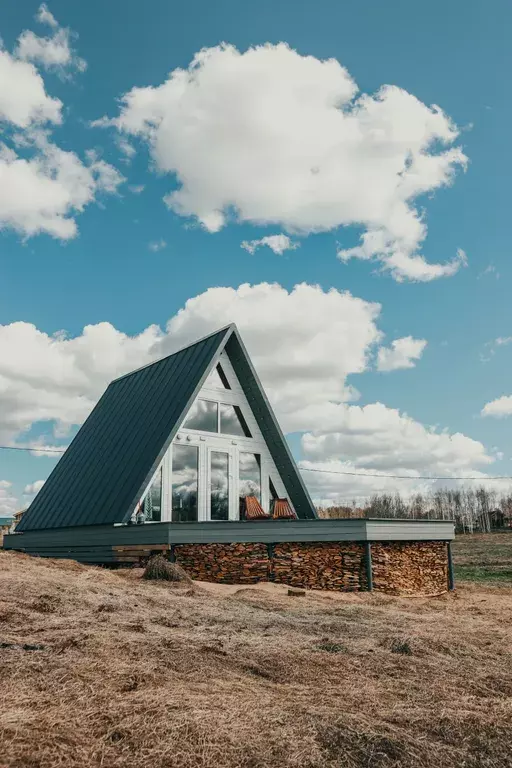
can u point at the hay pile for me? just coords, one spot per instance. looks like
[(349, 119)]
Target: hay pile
[(161, 569), (104, 668)]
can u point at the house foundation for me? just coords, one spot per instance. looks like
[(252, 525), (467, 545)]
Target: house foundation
[(400, 557)]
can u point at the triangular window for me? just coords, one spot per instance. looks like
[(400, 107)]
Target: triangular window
[(217, 379), (203, 416), (232, 421)]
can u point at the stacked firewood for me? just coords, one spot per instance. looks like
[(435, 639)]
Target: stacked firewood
[(410, 568), (322, 565), (226, 563)]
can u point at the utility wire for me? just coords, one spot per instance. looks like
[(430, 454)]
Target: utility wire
[(31, 450), (304, 469), (404, 477)]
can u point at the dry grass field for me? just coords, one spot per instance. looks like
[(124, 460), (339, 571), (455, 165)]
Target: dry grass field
[(484, 558), (103, 668)]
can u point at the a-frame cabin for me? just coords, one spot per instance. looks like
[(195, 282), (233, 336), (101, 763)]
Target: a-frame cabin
[(184, 439), (186, 456)]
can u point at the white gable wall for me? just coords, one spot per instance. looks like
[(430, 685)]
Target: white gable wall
[(234, 445)]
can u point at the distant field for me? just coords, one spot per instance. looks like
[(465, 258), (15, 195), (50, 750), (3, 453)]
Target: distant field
[(485, 558)]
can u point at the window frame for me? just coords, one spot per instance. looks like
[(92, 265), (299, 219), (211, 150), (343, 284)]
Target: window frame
[(217, 441)]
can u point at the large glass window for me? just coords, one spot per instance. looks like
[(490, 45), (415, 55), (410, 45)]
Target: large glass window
[(249, 475), (232, 421), (203, 415), (185, 464), (217, 378), (219, 485), (152, 504)]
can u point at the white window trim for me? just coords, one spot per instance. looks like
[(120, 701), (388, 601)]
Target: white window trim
[(232, 444)]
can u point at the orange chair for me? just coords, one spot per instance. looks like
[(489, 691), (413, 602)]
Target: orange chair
[(283, 511), (253, 509)]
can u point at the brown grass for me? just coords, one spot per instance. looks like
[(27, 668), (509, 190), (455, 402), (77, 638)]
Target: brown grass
[(103, 668)]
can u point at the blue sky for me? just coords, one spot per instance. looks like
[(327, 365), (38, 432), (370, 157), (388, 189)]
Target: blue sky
[(454, 55)]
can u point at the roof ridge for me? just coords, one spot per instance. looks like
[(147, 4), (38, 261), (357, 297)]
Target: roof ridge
[(226, 328)]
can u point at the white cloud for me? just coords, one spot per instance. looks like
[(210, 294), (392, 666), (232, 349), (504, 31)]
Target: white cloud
[(280, 138), (490, 347), (489, 270), (324, 336), (157, 245), (44, 192), (126, 148), (499, 408), (402, 264), (32, 488), (277, 243), (320, 341), (8, 502), (23, 98), (53, 53), (56, 378), (42, 187), (381, 440), (402, 353), (44, 16), (136, 189)]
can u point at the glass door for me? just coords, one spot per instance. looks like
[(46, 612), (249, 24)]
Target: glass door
[(220, 497)]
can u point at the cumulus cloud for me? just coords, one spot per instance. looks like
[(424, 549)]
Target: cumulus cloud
[(23, 98), (8, 502), (127, 149), (401, 263), (53, 52), (45, 16), (32, 488), (58, 379), (42, 187), (499, 408), (43, 192), (277, 243), (274, 137), (321, 340), (383, 441), (324, 336), (402, 353)]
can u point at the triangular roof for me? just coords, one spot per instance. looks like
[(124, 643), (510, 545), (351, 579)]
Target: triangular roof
[(111, 460)]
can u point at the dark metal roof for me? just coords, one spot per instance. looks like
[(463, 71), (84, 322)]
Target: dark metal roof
[(107, 467)]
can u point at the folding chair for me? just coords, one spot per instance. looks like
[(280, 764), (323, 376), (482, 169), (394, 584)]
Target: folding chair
[(282, 510), (253, 509)]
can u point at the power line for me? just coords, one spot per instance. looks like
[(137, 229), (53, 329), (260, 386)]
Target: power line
[(404, 477), (31, 450), (305, 469)]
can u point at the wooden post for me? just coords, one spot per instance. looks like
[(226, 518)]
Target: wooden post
[(368, 560), (451, 577), (270, 567)]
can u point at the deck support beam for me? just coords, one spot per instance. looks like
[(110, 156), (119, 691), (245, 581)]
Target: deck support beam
[(451, 576), (368, 562)]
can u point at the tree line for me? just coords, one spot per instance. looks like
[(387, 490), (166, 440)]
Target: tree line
[(472, 509)]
